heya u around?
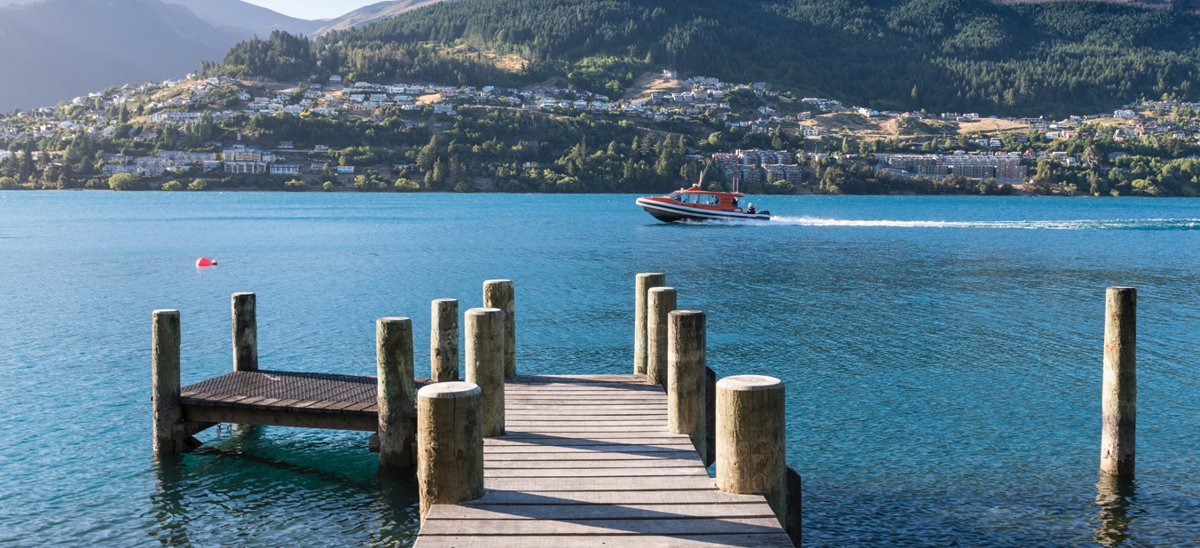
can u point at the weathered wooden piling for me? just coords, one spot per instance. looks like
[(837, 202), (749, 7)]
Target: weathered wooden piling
[(245, 332), (500, 294), (394, 386), (661, 301), (485, 364), (1118, 444), (751, 439), (164, 395), (443, 341), (449, 444), (686, 365), (644, 283)]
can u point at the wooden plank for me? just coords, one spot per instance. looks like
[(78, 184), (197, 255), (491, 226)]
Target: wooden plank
[(526, 389), (568, 405), (565, 458), (681, 526), (692, 496), (618, 413), (610, 437), (586, 378), (280, 417), (582, 391), (567, 444), (595, 472), (587, 428), (590, 464), (584, 422), (769, 540), (657, 407), (563, 512), (616, 396), (531, 485)]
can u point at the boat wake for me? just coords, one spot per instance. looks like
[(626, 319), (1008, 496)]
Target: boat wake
[(1081, 224)]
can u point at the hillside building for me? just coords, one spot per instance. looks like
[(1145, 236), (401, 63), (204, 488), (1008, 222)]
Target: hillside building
[(757, 164), (1000, 166)]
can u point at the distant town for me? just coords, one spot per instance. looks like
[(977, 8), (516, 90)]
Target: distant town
[(932, 145)]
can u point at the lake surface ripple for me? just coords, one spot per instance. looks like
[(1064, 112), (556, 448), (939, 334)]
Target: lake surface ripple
[(942, 354)]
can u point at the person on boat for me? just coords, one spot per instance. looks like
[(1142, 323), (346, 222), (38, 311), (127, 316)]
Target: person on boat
[(751, 209)]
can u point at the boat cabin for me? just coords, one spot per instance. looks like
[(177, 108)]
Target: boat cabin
[(725, 201)]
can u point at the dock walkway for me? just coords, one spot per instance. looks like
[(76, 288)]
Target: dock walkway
[(588, 461), (285, 398)]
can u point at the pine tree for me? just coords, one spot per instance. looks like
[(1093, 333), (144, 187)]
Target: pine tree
[(663, 166), (439, 174), (428, 154)]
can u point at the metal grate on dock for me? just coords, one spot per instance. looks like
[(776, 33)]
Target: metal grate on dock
[(284, 398)]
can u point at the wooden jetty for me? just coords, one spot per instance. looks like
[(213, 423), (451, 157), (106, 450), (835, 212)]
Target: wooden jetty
[(284, 398), (507, 460), (589, 461)]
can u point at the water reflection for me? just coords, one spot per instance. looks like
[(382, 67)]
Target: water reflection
[(266, 488), (167, 500), (1115, 496)]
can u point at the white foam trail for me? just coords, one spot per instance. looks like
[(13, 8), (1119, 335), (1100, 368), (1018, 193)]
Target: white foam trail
[(1079, 224)]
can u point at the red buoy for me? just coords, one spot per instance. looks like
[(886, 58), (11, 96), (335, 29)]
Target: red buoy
[(203, 262)]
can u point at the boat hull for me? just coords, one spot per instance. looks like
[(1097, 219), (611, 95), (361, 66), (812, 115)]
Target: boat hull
[(673, 213)]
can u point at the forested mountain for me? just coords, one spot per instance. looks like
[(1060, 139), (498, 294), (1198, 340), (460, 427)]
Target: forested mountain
[(59, 49), (941, 55)]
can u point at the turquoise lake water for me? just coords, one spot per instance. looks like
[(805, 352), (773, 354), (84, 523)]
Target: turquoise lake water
[(942, 355)]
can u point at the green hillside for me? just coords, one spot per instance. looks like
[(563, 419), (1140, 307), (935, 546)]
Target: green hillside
[(962, 55)]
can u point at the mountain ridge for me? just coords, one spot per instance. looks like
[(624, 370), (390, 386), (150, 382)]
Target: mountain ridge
[(949, 55), (88, 43), (252, 19), (372, 13)]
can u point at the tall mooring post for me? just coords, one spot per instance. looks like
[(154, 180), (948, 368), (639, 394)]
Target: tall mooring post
[(1118, 443), (449, 444), (661, 302), (751, 439), (443, 341), (686, 365), (642, 286), (395, 398), (245, 332), (164, 395), (485, 364), (500, 294)]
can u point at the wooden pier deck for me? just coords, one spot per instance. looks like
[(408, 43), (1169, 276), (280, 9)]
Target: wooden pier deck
[(285, 398), (589, 461)]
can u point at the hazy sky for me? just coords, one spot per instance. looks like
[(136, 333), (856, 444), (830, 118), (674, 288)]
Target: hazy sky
[(312, 9)]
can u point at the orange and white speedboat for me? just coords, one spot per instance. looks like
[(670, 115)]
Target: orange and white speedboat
[(697, 204)]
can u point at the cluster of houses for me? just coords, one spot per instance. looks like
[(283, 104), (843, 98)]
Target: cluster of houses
[(157, 165), (236, 159), (1004, 167), (706, 96), (758, 165)]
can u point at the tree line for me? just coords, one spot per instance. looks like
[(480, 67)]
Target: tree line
[(957, 55)]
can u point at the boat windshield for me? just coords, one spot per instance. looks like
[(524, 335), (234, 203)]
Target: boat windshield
[(698, 198), (674, 196)]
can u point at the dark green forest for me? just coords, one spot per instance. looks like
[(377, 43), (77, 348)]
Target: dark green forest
[(939, 55)]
